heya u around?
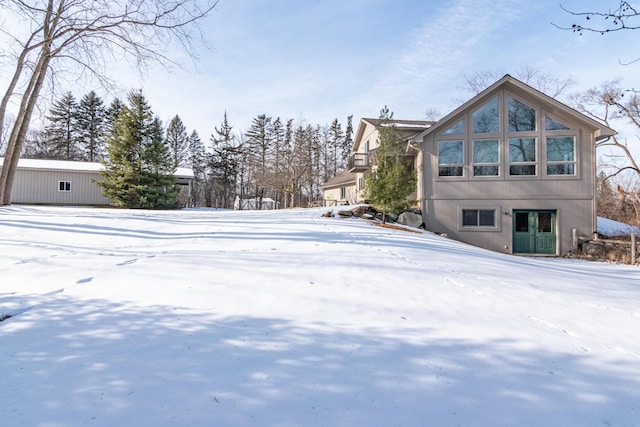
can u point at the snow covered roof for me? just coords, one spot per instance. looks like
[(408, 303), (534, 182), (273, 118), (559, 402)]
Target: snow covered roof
[(75, 166)]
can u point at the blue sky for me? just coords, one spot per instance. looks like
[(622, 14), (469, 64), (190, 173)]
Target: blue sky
[(326, 59)]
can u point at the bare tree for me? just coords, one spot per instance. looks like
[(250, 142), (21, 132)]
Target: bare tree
[(82, 34), (623, 17), (547, 83), (608, 103)]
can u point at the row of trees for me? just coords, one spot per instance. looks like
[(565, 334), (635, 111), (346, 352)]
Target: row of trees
[(281, 160)]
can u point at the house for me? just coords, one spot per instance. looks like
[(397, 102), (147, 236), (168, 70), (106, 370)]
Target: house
[(366, 143), (511, 170), (61, 182), (340, 190)]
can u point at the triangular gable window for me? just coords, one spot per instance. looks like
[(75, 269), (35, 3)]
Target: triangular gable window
[(522, 118), (486, 119), (552, 124), (456, 129)]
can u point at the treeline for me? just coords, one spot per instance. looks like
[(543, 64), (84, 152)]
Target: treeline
[(284, 160)]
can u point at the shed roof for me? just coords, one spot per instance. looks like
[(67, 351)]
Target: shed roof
[(76, 166)]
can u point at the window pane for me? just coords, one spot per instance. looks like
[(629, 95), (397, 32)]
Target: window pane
[(560, 149), (456, 129), (522, 149), (551, 124), (450, 152), (522, 170), (487, 218), (450, 171), (485, 170), (485, 151), (486, 118), (522, 222), (522, 118), (561, 169), (544, 222), (469, 217), (60, 185)]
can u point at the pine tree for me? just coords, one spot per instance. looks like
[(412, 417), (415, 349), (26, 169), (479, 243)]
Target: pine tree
[(91, 126), (161, 190), (223, 163), (336, 140), (177, 140), (391, 181), (139, 172), (61, 131), (197, 161)]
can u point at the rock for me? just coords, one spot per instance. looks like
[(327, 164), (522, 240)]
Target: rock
[(345, 214), (410, 218), (327, 214)]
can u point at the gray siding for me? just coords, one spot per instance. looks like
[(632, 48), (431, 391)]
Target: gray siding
[(571, 196), (41, 187)]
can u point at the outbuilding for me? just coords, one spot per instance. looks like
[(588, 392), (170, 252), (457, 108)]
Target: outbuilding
[(62, 182)]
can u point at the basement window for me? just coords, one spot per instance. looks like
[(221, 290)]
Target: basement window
[(478, 217), (64, 186)]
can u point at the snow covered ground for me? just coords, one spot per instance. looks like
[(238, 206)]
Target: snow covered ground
[(284, 318)]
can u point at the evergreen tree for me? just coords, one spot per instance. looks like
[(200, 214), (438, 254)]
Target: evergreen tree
[(336, 141), (111, 114), (158, 163), (91, 126), (347, 143), (177, 140), (139, 172), (223, 163), (61, 131), (391, 180), (197, 161)]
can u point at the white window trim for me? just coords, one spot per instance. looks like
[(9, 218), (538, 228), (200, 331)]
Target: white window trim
[(67, 184)]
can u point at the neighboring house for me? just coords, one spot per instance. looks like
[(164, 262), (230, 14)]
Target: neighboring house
[(364, 150), (511, 170), (340, 190), (60, 182)]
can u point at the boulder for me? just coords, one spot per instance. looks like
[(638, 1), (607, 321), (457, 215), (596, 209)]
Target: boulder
[(410, 218)]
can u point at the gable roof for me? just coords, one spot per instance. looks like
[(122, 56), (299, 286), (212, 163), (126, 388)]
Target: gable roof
[(409, 127), (511, 83)]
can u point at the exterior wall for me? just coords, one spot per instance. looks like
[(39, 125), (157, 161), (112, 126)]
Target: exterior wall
[(370, 135), (41, 187), (332, 195), (571, 196)]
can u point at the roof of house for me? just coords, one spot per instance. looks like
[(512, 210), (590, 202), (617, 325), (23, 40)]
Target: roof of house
[(409, 127), (340, 180), (75, 166), (601, 130)]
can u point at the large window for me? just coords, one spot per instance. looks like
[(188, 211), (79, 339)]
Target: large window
[(486, 157), (486, 119), (561, 157), (522, 118), (478, 217), (522, 156), (450, 158)]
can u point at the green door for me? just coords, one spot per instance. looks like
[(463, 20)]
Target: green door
[(534, 232)]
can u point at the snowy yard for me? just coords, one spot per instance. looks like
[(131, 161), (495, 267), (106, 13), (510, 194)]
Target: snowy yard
[(284, 318)]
